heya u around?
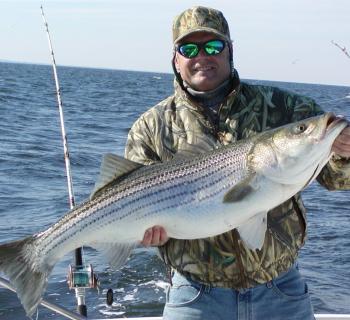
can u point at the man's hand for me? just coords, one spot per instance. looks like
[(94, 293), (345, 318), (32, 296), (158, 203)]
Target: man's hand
[(341, 145), (155, 236)]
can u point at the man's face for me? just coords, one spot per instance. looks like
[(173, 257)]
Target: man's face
[(203, 72)]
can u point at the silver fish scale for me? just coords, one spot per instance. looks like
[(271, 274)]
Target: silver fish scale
[(150, 191)]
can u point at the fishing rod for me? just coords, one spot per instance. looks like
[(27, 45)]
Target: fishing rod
[(80, 276), (341, 48)]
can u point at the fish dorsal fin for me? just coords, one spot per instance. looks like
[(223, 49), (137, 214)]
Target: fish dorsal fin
[(113, 167)]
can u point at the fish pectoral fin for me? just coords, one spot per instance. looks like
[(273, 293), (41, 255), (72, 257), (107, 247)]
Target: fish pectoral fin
[(113, 167), (116, 253), (254, 230), (240, 191)]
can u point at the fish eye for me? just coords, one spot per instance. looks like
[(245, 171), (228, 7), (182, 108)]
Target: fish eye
[(300, 128)]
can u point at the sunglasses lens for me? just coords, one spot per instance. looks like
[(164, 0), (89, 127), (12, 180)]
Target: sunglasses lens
[(211, 48), (214, 47), (189, 50)]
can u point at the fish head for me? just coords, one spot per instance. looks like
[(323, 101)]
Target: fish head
[(296, 153)]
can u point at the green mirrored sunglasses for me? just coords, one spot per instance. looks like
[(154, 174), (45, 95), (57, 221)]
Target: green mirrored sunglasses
[(211, 48)]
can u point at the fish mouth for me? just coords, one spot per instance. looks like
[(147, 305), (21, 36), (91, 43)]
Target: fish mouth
[(334, 121), (333, 125)]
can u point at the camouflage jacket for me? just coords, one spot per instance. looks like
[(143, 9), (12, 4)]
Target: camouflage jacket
[(224, 260)]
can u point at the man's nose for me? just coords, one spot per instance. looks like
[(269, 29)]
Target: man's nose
[(201, 53)]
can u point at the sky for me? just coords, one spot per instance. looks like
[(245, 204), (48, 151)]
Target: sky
[(280, 40)]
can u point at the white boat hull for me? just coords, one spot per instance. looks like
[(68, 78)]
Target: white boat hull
[(317, 316)]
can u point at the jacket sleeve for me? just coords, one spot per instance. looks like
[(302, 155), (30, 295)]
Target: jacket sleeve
[(140, 143), (336, 174)]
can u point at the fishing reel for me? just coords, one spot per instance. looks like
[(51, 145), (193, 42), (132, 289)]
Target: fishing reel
[(82, 277)]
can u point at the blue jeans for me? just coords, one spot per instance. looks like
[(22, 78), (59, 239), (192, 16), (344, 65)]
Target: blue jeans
[(285, 297)]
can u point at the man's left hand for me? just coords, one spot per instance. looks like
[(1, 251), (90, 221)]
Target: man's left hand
[(155, 236), (341, 145)]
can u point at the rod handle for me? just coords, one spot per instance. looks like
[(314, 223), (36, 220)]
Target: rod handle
[(82, 310)]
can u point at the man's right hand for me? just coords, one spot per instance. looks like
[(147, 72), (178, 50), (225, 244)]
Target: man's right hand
[(155, 236)]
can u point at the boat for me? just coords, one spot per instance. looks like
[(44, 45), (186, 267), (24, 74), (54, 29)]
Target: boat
[(74, 316), (317, 316)]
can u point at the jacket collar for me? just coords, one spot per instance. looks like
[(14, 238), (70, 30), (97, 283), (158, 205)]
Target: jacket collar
[(183, 97)]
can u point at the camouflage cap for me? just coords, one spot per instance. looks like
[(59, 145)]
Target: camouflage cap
[(198, 19)]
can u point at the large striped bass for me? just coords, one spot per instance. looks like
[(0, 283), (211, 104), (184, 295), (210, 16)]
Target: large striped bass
[(191, 197)]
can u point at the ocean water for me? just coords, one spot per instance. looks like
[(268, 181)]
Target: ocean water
[(99, 108)]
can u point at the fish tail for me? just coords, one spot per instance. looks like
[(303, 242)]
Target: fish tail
[(18, 262)]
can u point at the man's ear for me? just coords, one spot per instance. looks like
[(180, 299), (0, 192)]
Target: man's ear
[(176, 63)]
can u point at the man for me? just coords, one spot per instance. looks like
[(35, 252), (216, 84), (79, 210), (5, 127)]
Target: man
[(219, 277)]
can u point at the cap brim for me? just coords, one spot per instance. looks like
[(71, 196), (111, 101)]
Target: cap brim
[(202, 29)]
